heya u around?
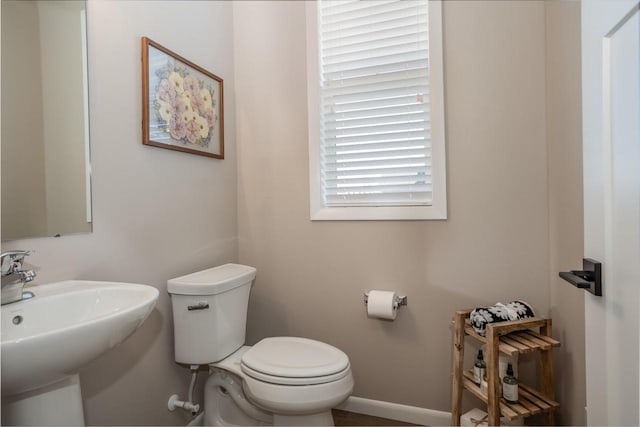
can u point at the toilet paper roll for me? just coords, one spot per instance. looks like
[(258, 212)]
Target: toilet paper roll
[(382, 305)]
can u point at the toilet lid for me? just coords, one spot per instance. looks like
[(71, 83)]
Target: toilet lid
[(292, 360)]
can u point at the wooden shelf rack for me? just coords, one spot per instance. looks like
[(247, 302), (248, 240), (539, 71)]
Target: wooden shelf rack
[(516, 337)]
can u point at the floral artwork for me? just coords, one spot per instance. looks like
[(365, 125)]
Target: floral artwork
[(183, 103)]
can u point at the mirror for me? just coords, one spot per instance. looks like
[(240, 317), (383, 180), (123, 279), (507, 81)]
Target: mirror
[(46, 187)]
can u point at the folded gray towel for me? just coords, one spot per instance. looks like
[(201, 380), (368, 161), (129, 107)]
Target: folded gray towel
[(514, 310)]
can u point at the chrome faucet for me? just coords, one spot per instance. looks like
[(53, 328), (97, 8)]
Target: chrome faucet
[(13, 277)]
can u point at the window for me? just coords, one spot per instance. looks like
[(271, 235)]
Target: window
[(376, 113)]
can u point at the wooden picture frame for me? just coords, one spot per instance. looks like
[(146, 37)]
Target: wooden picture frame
[(182, 103)]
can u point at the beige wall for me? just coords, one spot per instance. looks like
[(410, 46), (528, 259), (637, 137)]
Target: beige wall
[(564, 145), (158, 213), (494, 246)]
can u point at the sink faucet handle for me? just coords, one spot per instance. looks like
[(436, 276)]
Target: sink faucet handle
[(11, 261)]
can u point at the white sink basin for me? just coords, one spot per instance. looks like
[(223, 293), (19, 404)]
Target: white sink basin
[(66, 325)]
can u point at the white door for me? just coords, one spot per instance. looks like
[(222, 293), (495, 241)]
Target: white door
[(611, 160)]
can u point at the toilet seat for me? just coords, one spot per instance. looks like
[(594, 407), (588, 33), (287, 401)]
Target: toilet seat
[(298, 399), (260, 376), (294, 361)]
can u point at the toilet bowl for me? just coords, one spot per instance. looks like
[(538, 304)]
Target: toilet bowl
[(290, 398), (278, 381)]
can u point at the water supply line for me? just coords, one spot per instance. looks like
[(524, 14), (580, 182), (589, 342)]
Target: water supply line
[(194, 377), (174, 401)]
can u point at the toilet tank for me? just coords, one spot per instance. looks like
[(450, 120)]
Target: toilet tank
[(210, 312)]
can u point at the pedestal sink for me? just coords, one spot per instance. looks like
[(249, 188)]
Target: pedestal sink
[(48, 338)]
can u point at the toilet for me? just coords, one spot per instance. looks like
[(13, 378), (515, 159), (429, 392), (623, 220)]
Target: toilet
[(279, 381)]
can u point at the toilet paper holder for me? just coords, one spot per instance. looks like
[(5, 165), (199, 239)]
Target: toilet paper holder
[(400, 299)]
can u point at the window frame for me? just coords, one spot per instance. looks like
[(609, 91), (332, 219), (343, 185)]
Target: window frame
[(438, 208)]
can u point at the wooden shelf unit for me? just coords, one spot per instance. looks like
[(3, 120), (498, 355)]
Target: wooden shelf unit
[(516, 337)]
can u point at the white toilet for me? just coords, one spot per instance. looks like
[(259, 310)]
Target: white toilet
[(278, 381)]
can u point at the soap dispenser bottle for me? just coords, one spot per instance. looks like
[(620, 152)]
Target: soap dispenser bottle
[(479, 368), (510, 386)]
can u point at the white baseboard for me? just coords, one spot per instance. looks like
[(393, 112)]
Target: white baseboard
[(396, 411), (378, 408)]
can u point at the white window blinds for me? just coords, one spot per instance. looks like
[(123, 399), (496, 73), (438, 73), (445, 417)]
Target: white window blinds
[(375, 139)]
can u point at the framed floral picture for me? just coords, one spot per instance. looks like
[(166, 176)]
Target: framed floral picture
[(182, 103)]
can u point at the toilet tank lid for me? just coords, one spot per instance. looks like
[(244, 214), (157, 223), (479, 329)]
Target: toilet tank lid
[(212, 281)]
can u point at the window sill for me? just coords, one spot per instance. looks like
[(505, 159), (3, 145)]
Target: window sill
[(386, 213)]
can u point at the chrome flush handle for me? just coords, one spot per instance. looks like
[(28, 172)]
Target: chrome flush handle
[(199, 306)]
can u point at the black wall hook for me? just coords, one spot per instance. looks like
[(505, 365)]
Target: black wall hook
[(589, 278)]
